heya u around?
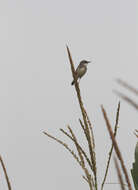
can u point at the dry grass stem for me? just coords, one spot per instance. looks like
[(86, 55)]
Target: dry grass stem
[(127, 99), (65, 145), (88, 176), (85, 178), (89, 179), (92, 142), (116, 148), (111, 150), (81, 149), (82, 125), (89, 136), (90, 139), (84, 130), (126, 85), (5, 173), (77, 146), (119, 174), (77, 87), (91, 130), (87, 132)]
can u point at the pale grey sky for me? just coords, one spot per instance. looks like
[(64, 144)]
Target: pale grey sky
[(36, 94)]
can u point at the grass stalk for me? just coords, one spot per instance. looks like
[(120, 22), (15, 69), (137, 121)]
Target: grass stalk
[(87, 132), (127, 99), (119, 174), (88, 176), (81, 149), (111, 150), (118, 153), (5, 173), (127, 86)]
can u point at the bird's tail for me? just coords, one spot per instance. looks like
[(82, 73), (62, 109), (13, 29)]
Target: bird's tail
[(73, 82)]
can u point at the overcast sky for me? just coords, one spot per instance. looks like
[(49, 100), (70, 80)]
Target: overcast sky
[(36, 92)]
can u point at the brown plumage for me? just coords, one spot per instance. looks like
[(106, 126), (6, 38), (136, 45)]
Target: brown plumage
[(81, 70)]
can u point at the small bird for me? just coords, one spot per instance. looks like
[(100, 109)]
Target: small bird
[(81, 70)]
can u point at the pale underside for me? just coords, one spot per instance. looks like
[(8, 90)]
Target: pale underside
[(81, 71)]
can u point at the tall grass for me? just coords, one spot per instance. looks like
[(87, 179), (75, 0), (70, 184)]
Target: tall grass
[(87, 160)]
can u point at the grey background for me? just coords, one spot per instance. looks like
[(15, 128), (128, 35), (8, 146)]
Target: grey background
[(35, 90)]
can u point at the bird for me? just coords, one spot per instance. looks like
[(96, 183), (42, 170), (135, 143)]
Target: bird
[(81, 70)]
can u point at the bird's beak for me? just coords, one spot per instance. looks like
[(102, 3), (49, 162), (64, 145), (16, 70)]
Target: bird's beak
[(88, 61)]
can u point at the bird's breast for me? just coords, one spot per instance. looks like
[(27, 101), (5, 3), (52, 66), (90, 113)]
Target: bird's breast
[(81, 71)]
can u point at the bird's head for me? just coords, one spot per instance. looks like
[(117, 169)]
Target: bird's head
[(84, 62)]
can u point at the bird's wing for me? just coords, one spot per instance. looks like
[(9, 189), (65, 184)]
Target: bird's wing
[(77, 68)]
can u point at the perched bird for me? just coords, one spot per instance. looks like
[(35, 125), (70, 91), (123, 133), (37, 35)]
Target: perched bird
[(81, 70)]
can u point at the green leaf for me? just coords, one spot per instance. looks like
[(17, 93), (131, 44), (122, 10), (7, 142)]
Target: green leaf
[(134, 170)]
